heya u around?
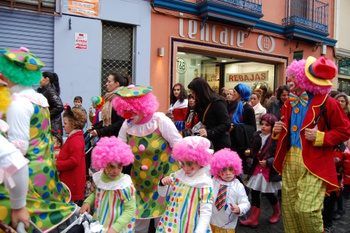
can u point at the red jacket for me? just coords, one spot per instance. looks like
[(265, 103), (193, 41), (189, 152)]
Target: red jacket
[(71, 165), (318, 158)]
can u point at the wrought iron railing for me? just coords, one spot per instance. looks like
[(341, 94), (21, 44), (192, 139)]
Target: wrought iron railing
[(250, 5), (308, 13)]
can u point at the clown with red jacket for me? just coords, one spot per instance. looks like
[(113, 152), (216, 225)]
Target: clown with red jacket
[(304, 151)]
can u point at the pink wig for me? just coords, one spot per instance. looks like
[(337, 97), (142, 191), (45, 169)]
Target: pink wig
[(225, 158), (146, 104), (297, 68), (193, 148), (111, 150)]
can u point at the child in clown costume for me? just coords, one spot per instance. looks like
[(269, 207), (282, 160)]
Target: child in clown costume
[(304, 154), (114, 197), (151, 136), (29, 120), (231, 200), (190, 189), (13, 168)]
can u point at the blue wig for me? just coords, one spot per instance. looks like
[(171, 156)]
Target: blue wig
[(245, 93)]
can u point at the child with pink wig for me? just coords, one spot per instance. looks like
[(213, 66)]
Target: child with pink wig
[(115, 194), (190, 189), (152, 135), (229, 194)]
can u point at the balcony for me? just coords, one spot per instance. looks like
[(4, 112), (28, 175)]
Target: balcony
[(306, 20), (244, 13)]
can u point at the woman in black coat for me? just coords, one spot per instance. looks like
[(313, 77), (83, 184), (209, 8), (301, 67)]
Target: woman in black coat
[(212, 112), (50, 88)]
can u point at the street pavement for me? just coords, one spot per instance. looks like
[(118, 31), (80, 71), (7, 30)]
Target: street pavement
[(339, 226)]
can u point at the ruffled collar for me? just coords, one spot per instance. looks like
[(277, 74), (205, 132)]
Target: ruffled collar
[(19, 92), (147, 128), (199, 180), (121, 182)]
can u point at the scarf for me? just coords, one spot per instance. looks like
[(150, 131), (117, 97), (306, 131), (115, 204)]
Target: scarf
[(106, 113)]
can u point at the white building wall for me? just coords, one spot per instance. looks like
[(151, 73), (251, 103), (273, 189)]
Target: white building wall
[(80, 70)]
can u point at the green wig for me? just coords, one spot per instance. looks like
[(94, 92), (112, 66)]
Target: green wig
[(20, 66)]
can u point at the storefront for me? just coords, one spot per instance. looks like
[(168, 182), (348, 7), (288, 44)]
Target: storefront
[(224, 55)]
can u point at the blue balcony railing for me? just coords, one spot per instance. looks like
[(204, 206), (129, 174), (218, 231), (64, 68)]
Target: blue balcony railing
[(312, 14), (249, 5)]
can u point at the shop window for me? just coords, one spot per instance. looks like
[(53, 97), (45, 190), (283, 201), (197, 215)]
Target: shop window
[(223, 72), (344, 86), (298, 55), (117, 51), (40, 6)]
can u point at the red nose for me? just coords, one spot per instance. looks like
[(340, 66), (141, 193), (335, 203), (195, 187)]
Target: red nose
[(127, 115)]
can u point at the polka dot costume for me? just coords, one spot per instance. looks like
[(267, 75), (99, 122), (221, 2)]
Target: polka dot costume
[(182, 212), (152, 163), (47, 198)]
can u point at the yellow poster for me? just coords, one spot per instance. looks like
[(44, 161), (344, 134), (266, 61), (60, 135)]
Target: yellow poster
[(84, 7)]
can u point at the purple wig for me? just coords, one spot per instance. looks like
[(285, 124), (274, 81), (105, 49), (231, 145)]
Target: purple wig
[(193, 148), (297, 68), (111, 150), (226, 158)]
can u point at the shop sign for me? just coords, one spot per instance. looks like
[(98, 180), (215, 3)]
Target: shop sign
[(84, 7), (228, 36), (219, 34), (181, 65), (80, 40), (344, 67), (248, 77)]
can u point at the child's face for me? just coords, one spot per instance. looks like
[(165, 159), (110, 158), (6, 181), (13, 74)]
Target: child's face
[(265, 127), (77, 103), (56, 142), (113, 170), (227, 174), (189, 167), (67, 126)]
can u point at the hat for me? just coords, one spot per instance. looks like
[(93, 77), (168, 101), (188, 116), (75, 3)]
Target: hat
[(20, 66), (98, 101), (22, 58), (320, 71), (136, 98), (133, 91)]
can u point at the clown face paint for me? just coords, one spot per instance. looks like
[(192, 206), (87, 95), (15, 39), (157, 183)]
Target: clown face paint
[(132, 117), (190, 168), (113, 170), (291, 82), (227, 174)]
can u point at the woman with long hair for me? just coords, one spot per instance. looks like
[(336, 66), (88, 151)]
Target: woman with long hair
[(50, 88), (282, 97), (178, 105), (212, 112)]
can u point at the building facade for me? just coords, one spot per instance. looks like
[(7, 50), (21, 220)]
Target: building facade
[(228, 42), (342, 48), (82, 40)]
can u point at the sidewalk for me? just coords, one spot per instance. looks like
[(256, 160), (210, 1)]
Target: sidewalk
[(340, 226)]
